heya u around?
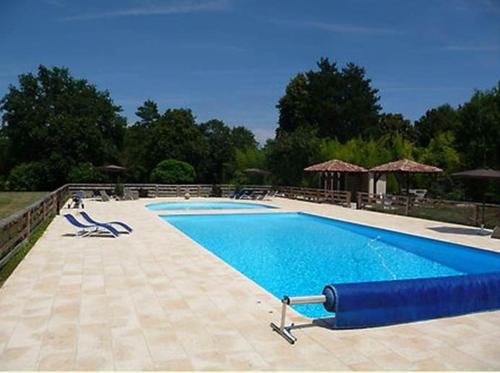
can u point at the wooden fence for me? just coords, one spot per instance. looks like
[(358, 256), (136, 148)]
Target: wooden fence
[(338, 197), (460, 212), (166, 190), (17, 228)]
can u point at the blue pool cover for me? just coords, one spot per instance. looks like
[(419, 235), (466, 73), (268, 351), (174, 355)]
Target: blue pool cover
[(367, 304)]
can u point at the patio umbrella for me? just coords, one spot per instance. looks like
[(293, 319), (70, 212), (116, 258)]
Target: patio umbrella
[(481, 174), (256, 171), (113, 169)]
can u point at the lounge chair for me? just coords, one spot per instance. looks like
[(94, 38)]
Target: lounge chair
[(86, 216), (270, 195), (496, 232), (88, 230), (104, 196)]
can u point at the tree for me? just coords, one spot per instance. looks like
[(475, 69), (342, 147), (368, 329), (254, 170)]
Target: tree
[(243, 138), (172, 171), (337, 103), (60, 121), (148, 113), (441, 119), (84, 173), (290, 153), (394, 124), (220, 150), (478, 135), (175, 135), (27, 176)]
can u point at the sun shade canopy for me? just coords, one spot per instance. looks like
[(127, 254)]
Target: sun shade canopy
[(405, 165), (335, 165), (256, 171), (480, 173)]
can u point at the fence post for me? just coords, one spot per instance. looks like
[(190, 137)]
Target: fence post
[(359, 205), (407, 206), (28, 224)]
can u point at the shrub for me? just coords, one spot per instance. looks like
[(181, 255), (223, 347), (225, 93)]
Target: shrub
[(84, 173), (172, 171), (27, 176)]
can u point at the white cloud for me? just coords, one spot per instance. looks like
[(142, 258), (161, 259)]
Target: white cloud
[(472, 48), (157, 9), (339, 28)]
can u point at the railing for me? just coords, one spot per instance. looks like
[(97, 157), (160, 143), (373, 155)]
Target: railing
[(167, 190), (468, 213), (338, 197), (17, 228)]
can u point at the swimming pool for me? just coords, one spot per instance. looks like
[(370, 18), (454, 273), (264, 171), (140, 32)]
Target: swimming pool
[(298, 254), (207, 206)]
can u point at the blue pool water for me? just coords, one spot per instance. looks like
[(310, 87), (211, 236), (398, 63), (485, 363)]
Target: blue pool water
[(206, 206), (298, 254)]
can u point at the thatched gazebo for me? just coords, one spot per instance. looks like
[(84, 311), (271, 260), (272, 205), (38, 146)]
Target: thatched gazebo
[(333, 172), (403, 167)]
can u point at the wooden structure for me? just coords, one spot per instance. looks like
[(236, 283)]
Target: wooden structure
[(333, 173), (336, 197), (403, 167), (16, 229)]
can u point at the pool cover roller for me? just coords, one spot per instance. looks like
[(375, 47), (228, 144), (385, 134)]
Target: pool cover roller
[(367, 304)]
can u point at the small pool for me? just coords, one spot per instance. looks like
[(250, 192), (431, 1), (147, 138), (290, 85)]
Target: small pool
[(298, 254), (172, 206)]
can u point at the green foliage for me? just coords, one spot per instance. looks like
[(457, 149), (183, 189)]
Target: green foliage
[(84, 173), (119, 190), (54, 118), (478, 137), (27, 176), (441, 119), (290, 153), (336, 102), (172, 171)]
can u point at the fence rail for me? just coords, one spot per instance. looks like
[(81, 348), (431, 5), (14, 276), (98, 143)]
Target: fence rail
[(17, 228), (460, 212), (338, 197)]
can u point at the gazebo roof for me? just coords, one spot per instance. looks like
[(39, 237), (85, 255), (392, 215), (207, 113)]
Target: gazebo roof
[(335, 165), (406, 165)]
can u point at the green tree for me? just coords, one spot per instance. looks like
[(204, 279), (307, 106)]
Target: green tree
[(290, 153), (84, 173), (27, 176), (441, 119), (176, 135), (478, 136), (61, 121), (220, 150), (391, 123), (242, 138), (172, 171), (337, 103)]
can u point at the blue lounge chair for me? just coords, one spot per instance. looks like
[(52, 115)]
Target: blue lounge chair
[(87, 230), (92, 221)]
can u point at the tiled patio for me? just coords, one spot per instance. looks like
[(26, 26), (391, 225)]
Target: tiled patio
[(157, 300)]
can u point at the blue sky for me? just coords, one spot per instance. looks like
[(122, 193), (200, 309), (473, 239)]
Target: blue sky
[(231, 59)]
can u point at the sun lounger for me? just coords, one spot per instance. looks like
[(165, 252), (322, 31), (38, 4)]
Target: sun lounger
[(496, 232), (92, 221), (104, 196), (270, 195), (88, 230)]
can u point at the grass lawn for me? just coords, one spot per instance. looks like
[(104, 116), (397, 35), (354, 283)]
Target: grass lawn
[(10, 202)]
